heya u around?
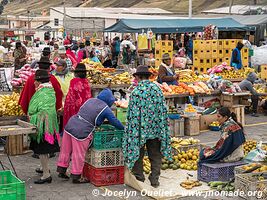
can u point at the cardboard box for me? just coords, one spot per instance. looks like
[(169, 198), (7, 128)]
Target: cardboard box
[(206, 120)]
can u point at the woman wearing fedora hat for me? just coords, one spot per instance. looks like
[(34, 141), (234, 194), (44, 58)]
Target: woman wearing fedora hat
[(79, 92), (166, 71), (29, 89), (147, 125), (42, 113)]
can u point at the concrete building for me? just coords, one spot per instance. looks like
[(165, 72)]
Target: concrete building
[(24, 27), (83, 21)]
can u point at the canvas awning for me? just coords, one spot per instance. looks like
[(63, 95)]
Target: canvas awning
[(176, 25)]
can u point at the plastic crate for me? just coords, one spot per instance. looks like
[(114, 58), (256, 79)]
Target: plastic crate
[(104, 176), (105, 158), (217, 171), (11, 188), (214, 128), (251, 186), (108, 137), (122, 114)]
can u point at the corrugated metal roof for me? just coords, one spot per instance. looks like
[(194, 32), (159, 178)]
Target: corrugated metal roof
[(250, 19), (84, 11), (236, 9)]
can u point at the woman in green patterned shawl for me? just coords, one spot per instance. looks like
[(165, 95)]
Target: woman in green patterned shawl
[(42, 114), (147, 125)]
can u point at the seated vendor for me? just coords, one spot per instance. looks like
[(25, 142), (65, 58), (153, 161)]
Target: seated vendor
[(229, 147), (247, 85), (166, 71)]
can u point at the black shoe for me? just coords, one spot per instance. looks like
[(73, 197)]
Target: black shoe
[(63, 176), (39, 171), (155, 185), (43, 181), (52, 155), (140, 179), (80, 181), (35, 156), (254, 115)]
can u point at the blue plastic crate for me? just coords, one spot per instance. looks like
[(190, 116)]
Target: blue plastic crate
[(214, 128), (217, 172)]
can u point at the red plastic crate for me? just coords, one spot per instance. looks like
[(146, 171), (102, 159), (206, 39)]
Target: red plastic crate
[(104, 176)]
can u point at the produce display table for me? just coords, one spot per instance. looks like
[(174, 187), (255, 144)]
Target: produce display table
[(175, 98), (228, 100), (14, 130), (96, 88), (6, 64)]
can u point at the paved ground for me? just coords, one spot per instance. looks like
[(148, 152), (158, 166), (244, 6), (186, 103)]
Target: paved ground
[(65, 190)]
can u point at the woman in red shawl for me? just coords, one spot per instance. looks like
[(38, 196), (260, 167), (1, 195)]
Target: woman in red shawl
[(78, 93)]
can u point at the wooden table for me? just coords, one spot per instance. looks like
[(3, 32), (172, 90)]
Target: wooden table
[(97, 88), (173, 99), (228, 100), (15, 131)]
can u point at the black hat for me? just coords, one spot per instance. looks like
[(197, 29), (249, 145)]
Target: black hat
[(80, 68), (47, 49), (44, 60), (142, 69), (41, 74)]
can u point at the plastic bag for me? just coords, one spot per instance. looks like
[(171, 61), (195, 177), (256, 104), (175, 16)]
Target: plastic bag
[(257, 155), (259, 57)]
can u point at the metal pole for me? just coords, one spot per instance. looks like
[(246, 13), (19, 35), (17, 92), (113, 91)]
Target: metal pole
[(190, 9), (230, 6), (64, 17)]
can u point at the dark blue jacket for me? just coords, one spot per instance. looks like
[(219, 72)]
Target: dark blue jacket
[(91, 115)]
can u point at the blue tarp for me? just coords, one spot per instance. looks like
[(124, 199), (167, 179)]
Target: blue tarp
[(176, 25)]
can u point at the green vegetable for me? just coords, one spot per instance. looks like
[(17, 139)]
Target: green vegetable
[(216, 183), (219, 188)]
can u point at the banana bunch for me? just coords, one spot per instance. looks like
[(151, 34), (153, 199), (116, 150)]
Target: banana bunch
[(178, 142), (146, 165), (189, 184), (124, 78), (9, 105)]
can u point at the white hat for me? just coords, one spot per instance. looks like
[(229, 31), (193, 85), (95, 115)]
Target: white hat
[(61, 50)]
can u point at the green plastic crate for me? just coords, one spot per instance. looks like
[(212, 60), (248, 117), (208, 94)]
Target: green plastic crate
[(251, 52), (122, 114), (107, 137), (11, 188)]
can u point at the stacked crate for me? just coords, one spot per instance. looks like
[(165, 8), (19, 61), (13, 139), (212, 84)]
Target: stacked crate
[(104, 163), (162, 47), (208, 53)]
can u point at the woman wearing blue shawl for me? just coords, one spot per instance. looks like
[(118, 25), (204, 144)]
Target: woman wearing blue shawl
[(229, 147)]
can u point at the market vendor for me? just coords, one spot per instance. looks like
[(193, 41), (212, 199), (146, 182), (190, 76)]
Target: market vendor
[(63, 76), (71, 62), (78, 133), (229, 147), (247, 85), (166, 71), (147, 125), (236, 59), (20, 55), (42, 113)]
